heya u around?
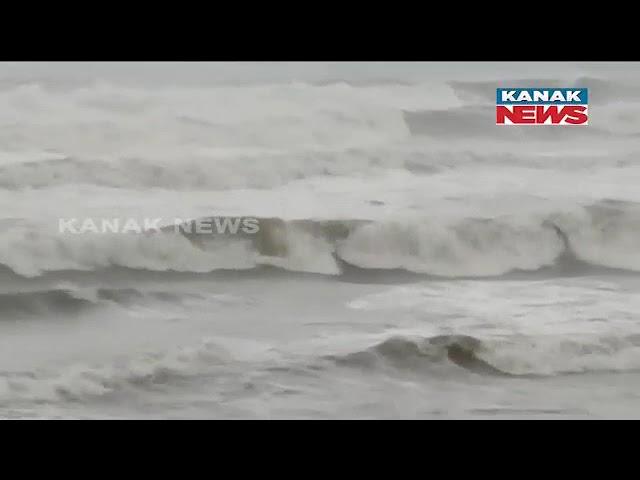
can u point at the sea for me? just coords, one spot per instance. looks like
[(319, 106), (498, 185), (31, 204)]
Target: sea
[(410, 259)]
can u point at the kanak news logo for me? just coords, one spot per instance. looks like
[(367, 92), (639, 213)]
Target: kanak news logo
[(542, 106)]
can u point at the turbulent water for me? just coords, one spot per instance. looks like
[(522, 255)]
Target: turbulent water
[(413, 260)]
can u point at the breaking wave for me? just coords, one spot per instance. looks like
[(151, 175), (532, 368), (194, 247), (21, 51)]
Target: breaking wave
[(602, 235), (514, 357), (439, 356), (264, 136), (84, 382)]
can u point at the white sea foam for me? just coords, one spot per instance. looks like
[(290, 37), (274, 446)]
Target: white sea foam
[(363, 176)]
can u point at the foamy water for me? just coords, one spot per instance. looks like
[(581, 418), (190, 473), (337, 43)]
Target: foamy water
[(414, 260)]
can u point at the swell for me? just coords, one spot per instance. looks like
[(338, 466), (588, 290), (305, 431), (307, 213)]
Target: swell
[(508, 357), (421, 353), (132, 121), (74, 300), (185, 171), (41, 302), (264, 169)]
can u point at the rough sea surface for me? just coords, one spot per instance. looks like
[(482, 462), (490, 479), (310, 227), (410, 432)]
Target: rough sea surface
[(414, 260)]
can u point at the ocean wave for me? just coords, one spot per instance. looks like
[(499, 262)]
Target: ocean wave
[(73, 299), (514, 357), (102, 119), (601, 91), (85, 382), (616, 121), (267, 168), (603, 235), (37, 303), (441, 356), (228, 168), (265, 135), (419, 354)]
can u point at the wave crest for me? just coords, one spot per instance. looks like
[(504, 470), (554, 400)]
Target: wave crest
[(503, 356), (604, 235)]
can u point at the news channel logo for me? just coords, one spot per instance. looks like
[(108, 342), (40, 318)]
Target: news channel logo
[(542, 106)]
